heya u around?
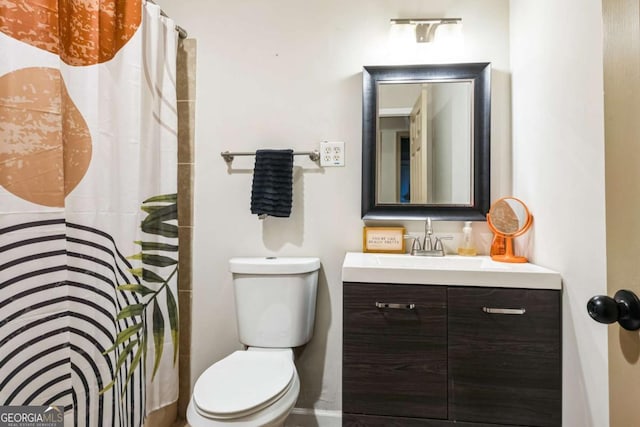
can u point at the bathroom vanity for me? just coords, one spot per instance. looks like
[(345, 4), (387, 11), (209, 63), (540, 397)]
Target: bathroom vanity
[(438, 341)]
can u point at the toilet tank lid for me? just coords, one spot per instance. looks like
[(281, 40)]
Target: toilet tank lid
[(274, 265)]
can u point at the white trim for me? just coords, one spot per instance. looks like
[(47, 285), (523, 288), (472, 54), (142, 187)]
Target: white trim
[(395, 112), (304, 417)]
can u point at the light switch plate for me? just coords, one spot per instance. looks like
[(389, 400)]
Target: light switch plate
[(332, 153)]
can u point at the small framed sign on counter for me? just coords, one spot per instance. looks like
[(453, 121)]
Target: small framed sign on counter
[(383, 239)]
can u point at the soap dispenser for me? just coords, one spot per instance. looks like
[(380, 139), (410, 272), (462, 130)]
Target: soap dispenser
[(466, 247)]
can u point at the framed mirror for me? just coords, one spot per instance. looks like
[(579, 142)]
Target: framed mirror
[(426, 141)]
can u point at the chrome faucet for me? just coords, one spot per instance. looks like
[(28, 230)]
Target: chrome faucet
[(427, 244), (431, 245)]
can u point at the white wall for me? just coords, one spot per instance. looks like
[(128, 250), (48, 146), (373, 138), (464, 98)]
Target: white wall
[(558, 139), (451, 130), (287, 73)]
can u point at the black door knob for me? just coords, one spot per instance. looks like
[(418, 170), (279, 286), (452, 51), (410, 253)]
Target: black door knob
[(624, 308)]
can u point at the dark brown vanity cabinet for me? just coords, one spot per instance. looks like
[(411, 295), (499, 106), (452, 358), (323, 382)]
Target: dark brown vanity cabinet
[(505, 367), (423, 355), (389, 355)]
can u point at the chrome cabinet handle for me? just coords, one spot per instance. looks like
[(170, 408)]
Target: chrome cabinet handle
[(490, 310), (395, 305)]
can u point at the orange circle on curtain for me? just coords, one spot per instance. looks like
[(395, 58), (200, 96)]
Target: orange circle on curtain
[(82, 32), (46, 144)]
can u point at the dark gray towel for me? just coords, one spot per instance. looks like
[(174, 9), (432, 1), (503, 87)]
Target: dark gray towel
[(271, 193)]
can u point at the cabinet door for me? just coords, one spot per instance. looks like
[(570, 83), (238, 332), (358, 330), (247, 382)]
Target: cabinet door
[(504, 367), (395, 359)]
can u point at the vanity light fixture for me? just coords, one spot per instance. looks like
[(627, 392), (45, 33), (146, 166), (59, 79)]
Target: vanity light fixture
[(425, 28)]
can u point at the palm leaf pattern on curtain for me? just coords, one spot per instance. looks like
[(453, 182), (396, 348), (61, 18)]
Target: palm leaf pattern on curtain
[(158, 266)]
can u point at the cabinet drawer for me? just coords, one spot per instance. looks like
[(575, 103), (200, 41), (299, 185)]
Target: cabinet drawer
[(428, 318), (504, 367), (395, 359)]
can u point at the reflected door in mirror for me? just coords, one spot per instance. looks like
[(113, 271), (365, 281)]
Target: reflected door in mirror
[(438, 118)]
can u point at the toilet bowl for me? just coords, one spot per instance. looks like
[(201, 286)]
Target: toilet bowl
[(275, 312), (252, 388)]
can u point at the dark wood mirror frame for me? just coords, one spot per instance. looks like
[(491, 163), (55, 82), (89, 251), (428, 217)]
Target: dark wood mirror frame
[(480, 74)]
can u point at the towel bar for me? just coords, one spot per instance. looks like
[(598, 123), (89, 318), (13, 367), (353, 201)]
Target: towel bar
[(228, 156)]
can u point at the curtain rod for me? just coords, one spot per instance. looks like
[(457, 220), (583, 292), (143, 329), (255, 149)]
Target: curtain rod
[(182, 33)]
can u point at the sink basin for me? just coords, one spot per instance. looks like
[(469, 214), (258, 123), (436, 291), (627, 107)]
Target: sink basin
[(447, 270), (446, 262)]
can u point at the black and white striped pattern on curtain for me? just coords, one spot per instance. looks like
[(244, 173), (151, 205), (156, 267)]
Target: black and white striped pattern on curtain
[(58, 301)]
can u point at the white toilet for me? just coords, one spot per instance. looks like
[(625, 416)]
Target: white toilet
[(275, 310)]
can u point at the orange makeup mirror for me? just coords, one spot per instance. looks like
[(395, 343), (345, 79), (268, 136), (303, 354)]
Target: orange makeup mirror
[(508, 218)]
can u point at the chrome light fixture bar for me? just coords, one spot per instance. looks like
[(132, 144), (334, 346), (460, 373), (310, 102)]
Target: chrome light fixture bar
[(425, 27)]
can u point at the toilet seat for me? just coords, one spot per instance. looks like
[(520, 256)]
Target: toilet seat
[(243, 383)]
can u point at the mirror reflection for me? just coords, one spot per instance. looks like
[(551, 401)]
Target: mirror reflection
[(424, 142)]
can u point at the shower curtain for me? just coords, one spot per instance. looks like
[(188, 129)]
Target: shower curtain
[(88, 209)]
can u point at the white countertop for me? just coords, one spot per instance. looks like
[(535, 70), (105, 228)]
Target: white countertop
[(451, 270)]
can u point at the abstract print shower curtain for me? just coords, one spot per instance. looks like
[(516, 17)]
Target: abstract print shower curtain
[(88, 217)]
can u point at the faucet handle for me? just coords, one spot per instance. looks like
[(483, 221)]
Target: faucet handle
[(415, 245), (438, 246)]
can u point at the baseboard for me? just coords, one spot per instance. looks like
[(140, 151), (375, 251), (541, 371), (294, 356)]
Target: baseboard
[(303, 417)]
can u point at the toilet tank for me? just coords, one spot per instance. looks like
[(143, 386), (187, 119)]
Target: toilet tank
[(275, 300)]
